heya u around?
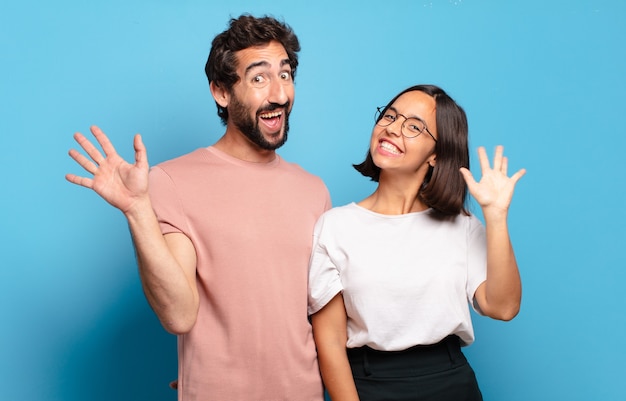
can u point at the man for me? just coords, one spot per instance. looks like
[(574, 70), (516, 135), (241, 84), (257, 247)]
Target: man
[(223, 234)]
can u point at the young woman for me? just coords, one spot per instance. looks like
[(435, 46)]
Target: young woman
[(392, 276)]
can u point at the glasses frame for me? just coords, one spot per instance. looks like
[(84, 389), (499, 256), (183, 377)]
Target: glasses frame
[(378, 119)]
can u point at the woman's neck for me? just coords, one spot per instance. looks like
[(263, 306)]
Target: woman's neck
[(394, 199)]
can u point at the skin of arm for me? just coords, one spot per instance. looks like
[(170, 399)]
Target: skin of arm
[(499, 297), (167, 264), (330, 333), (167, 268)]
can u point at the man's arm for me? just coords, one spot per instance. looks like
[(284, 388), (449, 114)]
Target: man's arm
[(167, 268), (167, 264)]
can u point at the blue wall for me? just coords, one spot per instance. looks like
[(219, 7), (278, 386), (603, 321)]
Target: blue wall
[(544, 78)]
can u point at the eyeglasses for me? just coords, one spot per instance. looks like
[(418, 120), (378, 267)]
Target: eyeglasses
[(411, 127)]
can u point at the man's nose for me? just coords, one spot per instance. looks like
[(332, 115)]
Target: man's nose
[(278, 92)]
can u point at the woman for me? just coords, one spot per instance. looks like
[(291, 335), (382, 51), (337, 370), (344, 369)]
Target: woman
[(392, 276)]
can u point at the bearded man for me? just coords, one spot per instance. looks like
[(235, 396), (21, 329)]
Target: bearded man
[(223, 234)]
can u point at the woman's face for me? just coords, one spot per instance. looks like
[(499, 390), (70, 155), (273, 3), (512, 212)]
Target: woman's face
[(392, 151)]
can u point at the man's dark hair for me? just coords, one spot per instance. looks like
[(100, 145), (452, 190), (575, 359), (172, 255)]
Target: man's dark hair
[(244, 32), (444, 188)]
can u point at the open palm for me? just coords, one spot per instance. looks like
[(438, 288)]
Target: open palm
[(494, 191), (118, 182)]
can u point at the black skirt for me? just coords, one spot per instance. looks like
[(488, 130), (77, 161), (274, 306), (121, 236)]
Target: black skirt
[(421, 373)]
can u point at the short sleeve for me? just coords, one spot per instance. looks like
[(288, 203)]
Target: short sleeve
[(324, 278), (166, 202)]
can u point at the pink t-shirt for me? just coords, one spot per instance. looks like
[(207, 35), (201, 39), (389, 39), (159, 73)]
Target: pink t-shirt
[(252, 226)]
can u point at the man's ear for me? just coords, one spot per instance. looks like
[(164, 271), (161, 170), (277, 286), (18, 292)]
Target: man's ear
[(221, 95)]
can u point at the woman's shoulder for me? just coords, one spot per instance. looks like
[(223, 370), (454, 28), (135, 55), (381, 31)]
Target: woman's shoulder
[(462, 221), (467, 222), (339, 212), (340, 216)]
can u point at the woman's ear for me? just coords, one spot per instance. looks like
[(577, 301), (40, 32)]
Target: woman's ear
[(432, 160), (221, 95)]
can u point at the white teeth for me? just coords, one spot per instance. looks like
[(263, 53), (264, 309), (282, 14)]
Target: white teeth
[(271, 115), (389, 147)]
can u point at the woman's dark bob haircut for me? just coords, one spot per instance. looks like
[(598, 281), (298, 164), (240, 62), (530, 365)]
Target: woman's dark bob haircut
[(244, 32), (444, 188)]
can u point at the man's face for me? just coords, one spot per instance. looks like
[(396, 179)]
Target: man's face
[(261, 100)]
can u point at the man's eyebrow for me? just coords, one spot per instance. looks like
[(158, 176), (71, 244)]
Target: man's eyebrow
[(266, 64), (257, 64)]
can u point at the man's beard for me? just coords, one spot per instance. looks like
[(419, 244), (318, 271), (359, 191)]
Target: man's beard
[(240, 116)]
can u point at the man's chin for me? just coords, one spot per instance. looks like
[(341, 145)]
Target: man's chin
[(276, 138), (275, 141)]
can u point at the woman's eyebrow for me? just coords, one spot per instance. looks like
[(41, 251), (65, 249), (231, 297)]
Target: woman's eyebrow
[(407, 116)]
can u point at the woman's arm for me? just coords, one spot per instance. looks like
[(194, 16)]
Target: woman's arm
[(330, 333), (500, 295)]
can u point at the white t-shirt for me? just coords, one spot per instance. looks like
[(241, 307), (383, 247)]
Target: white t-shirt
[(406, 279)]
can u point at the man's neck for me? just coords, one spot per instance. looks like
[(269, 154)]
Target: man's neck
[(243, 149)]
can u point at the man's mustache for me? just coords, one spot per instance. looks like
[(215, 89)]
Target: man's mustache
[(273, 106)]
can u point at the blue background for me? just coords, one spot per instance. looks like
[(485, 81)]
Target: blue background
[(544, 78)]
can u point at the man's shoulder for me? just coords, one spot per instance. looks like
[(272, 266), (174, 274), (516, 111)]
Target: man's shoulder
[(297, 169), (191, 157)]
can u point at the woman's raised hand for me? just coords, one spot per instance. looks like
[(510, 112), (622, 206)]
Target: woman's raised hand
[(494, 191)]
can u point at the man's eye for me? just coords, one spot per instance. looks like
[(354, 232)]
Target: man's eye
[(389, 117), (285, 76), (258, 79)]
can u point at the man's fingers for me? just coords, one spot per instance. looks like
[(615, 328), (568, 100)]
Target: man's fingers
[(103, 140), (89, 148), (82, 181), (141, 156), (83, 161)]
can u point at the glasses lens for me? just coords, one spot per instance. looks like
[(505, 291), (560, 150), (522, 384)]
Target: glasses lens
[(413, 127), (386, 118)]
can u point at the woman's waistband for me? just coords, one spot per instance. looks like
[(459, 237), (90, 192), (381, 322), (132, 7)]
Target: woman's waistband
[(418, 357)]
